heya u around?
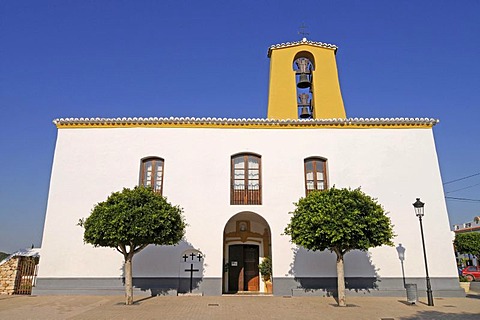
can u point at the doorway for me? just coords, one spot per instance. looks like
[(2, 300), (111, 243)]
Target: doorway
[(243, 272), (246, 241)]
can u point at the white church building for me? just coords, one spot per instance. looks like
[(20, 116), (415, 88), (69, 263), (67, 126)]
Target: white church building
[(237, 180)]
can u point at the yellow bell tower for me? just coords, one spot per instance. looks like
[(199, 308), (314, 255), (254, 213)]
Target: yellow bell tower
[(304, 81)]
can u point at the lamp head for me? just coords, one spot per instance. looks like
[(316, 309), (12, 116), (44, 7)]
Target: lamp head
[(419, 208)]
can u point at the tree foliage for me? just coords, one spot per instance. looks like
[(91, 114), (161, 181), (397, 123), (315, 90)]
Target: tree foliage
[(135, 218), (468, 243), (339, 220), (131, 220)]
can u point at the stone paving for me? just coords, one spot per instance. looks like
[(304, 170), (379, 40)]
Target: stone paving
[(234, 307)]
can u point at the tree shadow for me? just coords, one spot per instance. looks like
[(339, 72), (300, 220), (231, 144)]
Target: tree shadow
[(161, 270), (315, 272), (442, 315), (138, 301)]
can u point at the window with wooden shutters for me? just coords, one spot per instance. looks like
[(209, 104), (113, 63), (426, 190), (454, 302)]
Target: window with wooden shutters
[(315, 174), (151, 174), (246, 183)]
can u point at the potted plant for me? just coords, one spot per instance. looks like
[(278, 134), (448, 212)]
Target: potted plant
[(265, 268), (464, 283)]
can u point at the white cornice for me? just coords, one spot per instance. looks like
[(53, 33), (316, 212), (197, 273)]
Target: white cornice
[(297, 43), (256, 121)]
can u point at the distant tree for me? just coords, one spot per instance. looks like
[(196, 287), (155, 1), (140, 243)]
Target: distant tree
[(339, 220), (468, 243), (131, 220), (3, 255)]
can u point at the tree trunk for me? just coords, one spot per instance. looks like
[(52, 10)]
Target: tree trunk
[(128, 280), (340, 280)]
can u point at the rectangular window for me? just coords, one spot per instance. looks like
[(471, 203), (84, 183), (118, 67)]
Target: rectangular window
[(151, 174), (246, 179), (315, 174)]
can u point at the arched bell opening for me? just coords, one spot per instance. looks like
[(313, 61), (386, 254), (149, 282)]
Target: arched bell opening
[(246, 242), (303, 66), (305, 54)]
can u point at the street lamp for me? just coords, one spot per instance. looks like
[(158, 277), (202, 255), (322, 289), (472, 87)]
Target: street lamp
[(419, 212)]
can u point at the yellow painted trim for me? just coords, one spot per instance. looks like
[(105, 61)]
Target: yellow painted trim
[(245, 125)]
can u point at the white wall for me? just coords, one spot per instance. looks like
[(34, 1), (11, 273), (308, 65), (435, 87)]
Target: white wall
[(393, 165)]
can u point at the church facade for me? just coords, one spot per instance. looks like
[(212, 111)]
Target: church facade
[(237, 180)]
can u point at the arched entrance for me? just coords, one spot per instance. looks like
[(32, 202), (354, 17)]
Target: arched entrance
[(246, 241)]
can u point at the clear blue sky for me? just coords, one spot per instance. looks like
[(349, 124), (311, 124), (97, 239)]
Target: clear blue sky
[(203, 58)]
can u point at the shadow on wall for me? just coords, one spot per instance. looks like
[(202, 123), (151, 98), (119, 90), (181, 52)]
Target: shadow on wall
[(162, 270), (401, 256), (315, 271)]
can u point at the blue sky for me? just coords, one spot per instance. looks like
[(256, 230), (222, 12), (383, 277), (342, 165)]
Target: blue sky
[(208, 58)]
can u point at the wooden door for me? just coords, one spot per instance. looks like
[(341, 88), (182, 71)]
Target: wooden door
[(235, 268), (251, 281), (243, 272)]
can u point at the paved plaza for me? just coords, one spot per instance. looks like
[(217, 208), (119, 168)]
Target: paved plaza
[(234, 307)]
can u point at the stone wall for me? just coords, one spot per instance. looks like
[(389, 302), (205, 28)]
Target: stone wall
[(8, 273)]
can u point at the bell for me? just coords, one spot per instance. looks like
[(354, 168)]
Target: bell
[(305, 114), (304, 81), (303, 65), (304, 99)]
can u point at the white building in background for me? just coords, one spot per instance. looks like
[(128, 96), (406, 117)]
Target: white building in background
[(237, 180), (471, 226)]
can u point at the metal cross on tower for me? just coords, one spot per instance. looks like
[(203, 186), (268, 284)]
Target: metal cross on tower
[(302, 30)]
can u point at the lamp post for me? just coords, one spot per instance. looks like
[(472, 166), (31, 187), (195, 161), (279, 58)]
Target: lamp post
[(419, 212)]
